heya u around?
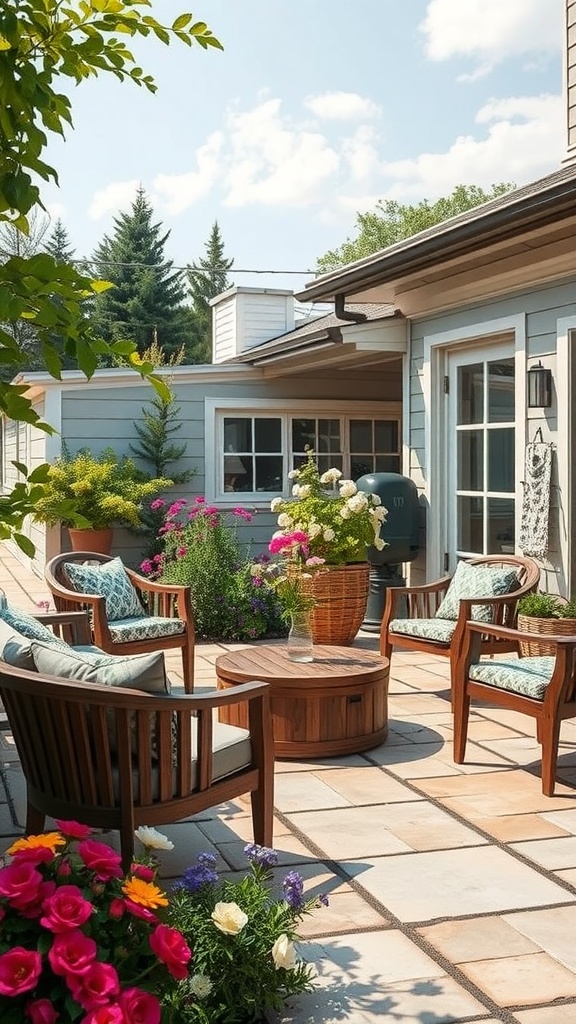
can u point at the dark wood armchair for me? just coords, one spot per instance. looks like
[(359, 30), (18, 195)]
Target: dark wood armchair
[(542, 687), (417, 607), (162, 601), (119, 758)]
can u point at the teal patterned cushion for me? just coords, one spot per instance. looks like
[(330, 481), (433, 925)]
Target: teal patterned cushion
[(476, 581), (527, 676), (440, 630), (110, 581), (145, 627), (27, 626)]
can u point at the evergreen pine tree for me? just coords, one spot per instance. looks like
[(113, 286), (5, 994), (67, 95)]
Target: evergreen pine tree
[(208, 277), (146, 303), (58, 244)]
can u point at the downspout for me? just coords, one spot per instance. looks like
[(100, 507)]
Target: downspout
[(346, 314)]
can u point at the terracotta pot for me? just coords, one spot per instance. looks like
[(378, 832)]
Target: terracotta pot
[(91, 540), (341, 593)]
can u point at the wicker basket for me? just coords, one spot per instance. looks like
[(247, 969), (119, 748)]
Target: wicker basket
[(546, 627), (341, 594)]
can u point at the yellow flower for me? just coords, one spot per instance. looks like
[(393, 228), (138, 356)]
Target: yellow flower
[(144, 893), (49, 840), (229, 918)]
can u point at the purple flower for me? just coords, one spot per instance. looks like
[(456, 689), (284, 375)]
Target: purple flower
[(201, 873), (293, 886), (323, 899), (263, 856)]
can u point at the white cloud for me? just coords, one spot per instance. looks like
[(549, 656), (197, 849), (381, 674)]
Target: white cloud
[(179, 191), (361, 153), (275, 164), (56, 211), (491, 29), (342, 106), (115, 196), (523, 142)]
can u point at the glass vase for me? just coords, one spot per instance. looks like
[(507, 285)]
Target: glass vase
[(300, 644)]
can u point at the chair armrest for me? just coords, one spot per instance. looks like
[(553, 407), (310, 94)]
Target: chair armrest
[(79, 622)]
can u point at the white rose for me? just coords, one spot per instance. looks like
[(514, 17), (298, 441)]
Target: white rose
[(293, 474), (228, 918), (275, 504), (345, 512), (379, 544), (200, 985), (296, 490), (328, 534), (313, 530), (304, 491), (376, 499), (379, 514), (283, 953), (331, 476), (284, 520), (347, 488), (358, 502), (152, 839)]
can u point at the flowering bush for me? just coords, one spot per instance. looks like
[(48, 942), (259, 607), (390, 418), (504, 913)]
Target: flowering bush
[(201, 550), (245, 961), (78, 941), (339, 521)]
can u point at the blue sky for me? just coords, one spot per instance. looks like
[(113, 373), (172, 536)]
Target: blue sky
[(314, 110)]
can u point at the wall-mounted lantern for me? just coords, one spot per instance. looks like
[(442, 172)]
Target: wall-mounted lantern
[(539, 387)]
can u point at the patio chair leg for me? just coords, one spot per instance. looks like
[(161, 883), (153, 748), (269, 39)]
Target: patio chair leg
[(35, 820), (188, 668), (461, 709), (550, 732)]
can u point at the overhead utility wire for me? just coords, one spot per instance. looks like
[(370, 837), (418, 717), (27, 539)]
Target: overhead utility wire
[(189, 269)]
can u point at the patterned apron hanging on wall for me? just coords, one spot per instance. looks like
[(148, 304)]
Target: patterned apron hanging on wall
[(536, 501)]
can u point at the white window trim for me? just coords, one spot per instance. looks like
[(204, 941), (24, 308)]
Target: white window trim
[(215, 407), (564, 326), (435, 346)]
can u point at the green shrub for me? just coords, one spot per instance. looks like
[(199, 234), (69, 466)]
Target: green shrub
[(201, 550), (95, 491), (547, 606)]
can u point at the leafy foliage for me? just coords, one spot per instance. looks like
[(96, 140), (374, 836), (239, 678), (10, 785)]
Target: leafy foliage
[(41, 42), (240, 975), (95, 492), (201, 550), (547, 606), (391, 221)]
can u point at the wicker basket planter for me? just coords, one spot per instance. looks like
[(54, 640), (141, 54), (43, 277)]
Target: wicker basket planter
[(545, 627), (341, 594)]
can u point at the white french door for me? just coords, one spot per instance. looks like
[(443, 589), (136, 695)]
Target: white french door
[(481, 492)]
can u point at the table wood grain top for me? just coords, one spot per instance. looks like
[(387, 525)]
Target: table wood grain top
[(270, 663)]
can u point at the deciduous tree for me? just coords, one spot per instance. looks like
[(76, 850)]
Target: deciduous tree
[(392, 221), (44, 42)]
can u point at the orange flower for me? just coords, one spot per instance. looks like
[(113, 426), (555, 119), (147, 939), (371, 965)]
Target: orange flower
[(144, 893), (48, 840)]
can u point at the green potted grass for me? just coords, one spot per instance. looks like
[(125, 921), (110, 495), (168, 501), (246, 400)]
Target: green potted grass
[(545, 614), (90, 494)]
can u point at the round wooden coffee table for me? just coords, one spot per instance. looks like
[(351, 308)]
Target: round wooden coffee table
[(336, 704)]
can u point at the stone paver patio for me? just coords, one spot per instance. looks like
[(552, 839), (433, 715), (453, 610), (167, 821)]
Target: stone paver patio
[(452, 888)]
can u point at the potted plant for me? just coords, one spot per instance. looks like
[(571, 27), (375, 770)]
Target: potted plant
[(340, 523), (546, 614), (90, 494)]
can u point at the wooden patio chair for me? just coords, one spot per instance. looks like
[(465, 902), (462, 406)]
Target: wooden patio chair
[(163, 618), (421, 628), (120, 758), (542, 687)]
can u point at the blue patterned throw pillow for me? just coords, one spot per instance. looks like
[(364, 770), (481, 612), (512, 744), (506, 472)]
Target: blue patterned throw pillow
[(476, 581), (27, 626), (108, 580)]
